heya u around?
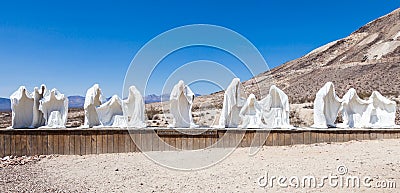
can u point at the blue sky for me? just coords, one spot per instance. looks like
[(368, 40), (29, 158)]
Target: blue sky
[(71, 45)]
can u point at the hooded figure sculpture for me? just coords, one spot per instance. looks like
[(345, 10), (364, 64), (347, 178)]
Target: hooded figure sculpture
[(276, 109), (109, 110), (92, 100), (234, 98), (356, 111), (251, 113), (326, 107), (383, 111), (54, 107), (133, 109), (181, 99), (22, 108), (38, 119)]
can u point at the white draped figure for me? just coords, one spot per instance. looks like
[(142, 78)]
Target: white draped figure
[(109, 110), (251, 113), (383, 111), (234, 98), (181, 100), (133, 108), (326, 107), (92, 100), (356, 111), (22, 108), (276, 109), (38, 119), (54, 107), (377, 111)]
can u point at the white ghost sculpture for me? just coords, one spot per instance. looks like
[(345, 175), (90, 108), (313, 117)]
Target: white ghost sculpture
[(383, 111), (181, 100), (251, 113), (109, 110), (38, 119), (276, 109), (326, 107), (54, 107), (376, 112), (92, 100), (133, 109), (22, 108), (234, 98)]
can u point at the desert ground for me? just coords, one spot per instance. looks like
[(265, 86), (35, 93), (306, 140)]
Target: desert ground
[(133, 172)]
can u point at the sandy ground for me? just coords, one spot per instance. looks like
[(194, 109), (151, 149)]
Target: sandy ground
[(133, 172)]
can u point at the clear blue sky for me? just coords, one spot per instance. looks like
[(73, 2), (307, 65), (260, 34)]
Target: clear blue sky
[(72, 44)]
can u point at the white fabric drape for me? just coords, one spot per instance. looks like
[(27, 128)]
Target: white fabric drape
[(234, 98), (54, 107), (109, 110), (251, 113), (134, 109), (276, 109), (326, 107), (92, 100), (22, 108), (38, 118), (181, 100)]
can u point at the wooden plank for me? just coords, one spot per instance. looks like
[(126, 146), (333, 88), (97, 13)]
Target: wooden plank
[(386, 135), (104, 146), (82, 142), (250, 138), (121, 142), (360, 136), (61, 144), (346, 137), (115, 143), (313, 138), (184, 141), (7, 144), (45, 143), (333, 137), (172, 142), (110, 143), (50, 144), (32, 147), (138, 142), (93, 138), (352, 136), (127, 142), (366, 136), (270, 140), (178, 143), (297, 138), (281, 138), (99, 143), (17, 145), (66, 140), (339, 137), (320, 137), (288, 139), (196, 142), (379, 135), (71, 143), (263, 137), (13, 145), (307, 137), (23, 144), (56, 144), (2, 146), (39, 142), (77, 143), (190, 140), (88, 144), (155, 142)]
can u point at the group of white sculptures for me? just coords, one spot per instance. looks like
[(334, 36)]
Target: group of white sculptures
[(44, 108), (376, 112)]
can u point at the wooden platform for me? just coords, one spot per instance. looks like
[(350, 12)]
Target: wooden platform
[(109, 140)]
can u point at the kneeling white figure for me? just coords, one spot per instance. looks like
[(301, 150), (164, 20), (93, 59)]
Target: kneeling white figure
[(109, 110), (133, 109), (22, 108), (251, 113), (181, 100)]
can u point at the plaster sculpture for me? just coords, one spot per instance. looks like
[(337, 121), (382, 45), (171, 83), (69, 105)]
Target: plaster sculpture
[(251, 113), (133, 109), (92, 100), (376, 112), (234, 98), (326, 107), (276, 109), (54, 107), (22, 108), (38, 119), (181, 100), (109, 110), (383, 113)]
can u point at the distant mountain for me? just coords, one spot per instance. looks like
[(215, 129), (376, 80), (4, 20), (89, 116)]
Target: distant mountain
[(76, 101), (5, 104), (155, 98)]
